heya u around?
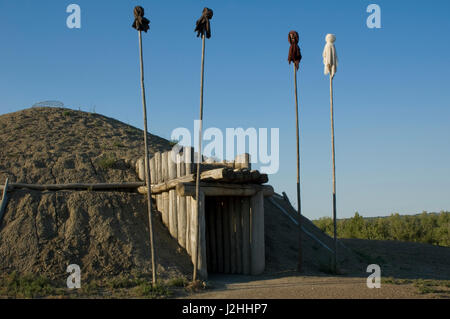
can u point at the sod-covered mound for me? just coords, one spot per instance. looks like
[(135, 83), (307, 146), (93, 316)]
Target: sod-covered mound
[(57, 145), (105, 233)]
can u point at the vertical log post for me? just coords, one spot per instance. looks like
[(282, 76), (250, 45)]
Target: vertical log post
[(159, 205), (181, 220), (173, 211), (192, 235), (257, 234), (165, 209), (164, 167), (226, 235), (245, 214), (243, 161), (140, 168), (212, 238), (202, 269), (232, 223), (173, 216), (172, 165), (158, 167), (181, 207), (179, 165), (158, 179), (237, 162), (152, 169), (198, 236), (238, 225), (189, 160), (219, 235), (188, 224)]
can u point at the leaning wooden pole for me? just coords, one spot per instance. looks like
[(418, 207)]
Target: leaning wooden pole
[(203, 28), (142, 24), (295, 56)]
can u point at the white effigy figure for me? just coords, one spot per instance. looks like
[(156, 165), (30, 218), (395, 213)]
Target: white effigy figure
[(330, 59)]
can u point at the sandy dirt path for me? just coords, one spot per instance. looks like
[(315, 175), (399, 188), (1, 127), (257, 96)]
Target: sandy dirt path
[(301, 287)]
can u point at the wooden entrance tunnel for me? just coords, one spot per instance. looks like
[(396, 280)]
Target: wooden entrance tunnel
[(231, 214)]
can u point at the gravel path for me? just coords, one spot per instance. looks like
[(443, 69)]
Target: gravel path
[(301, 287)]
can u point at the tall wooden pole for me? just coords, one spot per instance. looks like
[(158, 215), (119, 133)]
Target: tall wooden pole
[(199, 159), (147, 166), (334, 173), (300, 250)]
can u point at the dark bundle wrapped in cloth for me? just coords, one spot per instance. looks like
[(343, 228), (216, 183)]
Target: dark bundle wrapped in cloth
[(203, 26), (140, 22), (294, 50)]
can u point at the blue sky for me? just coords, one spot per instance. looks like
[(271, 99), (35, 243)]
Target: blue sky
[(392, 92)]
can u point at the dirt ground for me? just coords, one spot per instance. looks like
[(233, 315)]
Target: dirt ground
[(408, 270), (308, 287)]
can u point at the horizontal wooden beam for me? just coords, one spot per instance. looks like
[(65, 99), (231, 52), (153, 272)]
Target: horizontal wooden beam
[(76, 186), (166, 186), (223, 174), (224, 189)]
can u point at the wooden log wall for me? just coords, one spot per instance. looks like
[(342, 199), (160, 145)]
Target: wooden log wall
[(169, 165), (231, 231), (235, 234)]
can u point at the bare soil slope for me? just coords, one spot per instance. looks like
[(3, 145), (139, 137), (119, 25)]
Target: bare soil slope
[(282, 243), (404, 260), (57, 145), (105, 233)]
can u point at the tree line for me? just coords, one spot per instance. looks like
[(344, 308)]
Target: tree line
[(429, 228)]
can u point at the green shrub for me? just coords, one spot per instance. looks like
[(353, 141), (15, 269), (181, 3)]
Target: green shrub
[(145, 289), (177, 282), (118, 144), (107, 162), (424, 228), (25, 286)]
